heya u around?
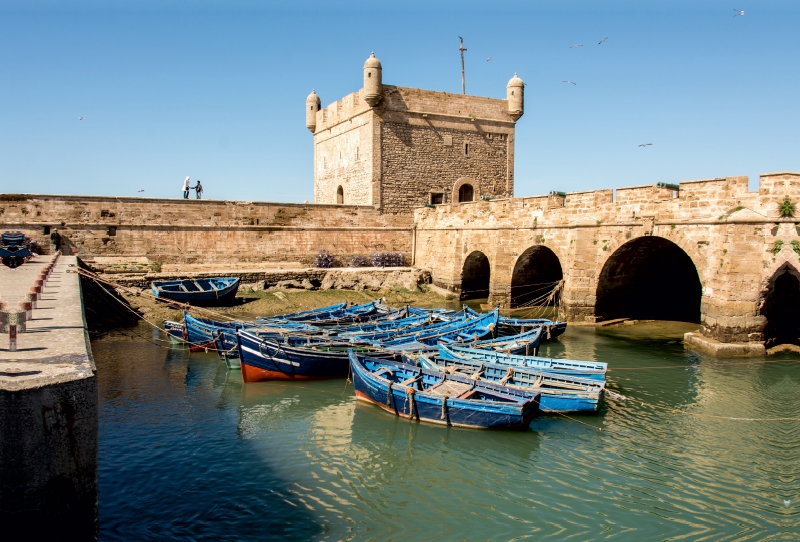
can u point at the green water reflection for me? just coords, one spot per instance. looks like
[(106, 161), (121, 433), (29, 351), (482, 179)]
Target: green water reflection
[(187, 450)]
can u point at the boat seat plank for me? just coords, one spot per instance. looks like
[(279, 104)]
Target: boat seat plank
[(449, 388)]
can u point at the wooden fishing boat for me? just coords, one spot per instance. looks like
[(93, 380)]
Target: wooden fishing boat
[(525, 343), (202, 292), (290, 316), (511, 326), (586, 369), (559, 392), (264, 359), (463, 330), (440, 398), (176, 331)]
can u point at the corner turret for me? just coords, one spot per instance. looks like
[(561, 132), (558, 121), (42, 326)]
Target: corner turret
[(312, 106), (373, 83), (515, 91)]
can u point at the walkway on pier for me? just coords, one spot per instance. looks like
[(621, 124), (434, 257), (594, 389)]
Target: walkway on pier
[(48, 409)]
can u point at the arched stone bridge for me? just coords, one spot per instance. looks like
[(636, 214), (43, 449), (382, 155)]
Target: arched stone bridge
[(709, 252)]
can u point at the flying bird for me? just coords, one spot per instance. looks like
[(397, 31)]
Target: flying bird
[(80, 118), (569, 83), (488, 59), (575, 46), (738, 12), (601, 41), (141, 191), (645, 144), (787, 502)]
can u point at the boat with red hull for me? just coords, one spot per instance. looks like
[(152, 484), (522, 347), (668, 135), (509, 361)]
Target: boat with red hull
[(263, 359)]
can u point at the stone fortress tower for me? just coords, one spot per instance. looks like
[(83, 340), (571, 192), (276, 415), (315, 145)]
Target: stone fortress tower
[(398, 148)]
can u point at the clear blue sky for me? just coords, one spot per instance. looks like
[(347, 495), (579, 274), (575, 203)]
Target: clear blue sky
[(216, 90)]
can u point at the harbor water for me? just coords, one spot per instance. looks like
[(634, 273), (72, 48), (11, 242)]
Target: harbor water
[(703, 449)]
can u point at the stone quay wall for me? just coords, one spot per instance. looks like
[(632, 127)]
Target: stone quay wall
[(205, 231), (736, 240)]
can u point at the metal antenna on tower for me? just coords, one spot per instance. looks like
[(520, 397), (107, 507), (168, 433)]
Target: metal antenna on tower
[(462, 49)]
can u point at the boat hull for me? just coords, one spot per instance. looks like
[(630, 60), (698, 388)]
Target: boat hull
[(440, 410), (264, 360), (212, 292)]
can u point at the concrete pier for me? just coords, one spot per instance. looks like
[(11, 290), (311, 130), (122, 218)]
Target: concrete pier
[(48, 410)]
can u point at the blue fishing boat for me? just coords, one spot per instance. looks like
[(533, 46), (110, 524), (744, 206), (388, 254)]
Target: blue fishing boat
[(176, 331), (586, 369), (334, 316), (512, 326), (440, 398), (559, 392), (290, 316), (264, 359), (525, 343), (202, 292), (463, 330)]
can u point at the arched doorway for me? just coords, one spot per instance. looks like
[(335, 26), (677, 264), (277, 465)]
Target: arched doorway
[(466, 193), (340, 195), (782, 307), (649, 278), (475, 276), (536, 273)]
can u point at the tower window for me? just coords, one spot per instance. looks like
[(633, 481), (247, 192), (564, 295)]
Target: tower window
[(466, 151), (466, 193), (437, 198), (356, 153), (369, 74), (340, 195)]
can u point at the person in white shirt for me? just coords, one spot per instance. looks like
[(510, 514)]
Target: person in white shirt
[(186, 188)]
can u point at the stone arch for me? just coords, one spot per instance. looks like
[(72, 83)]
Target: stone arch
[(340, 195), (781, 307), (536, 272), (475, 276), (649, 277), (462, 181)]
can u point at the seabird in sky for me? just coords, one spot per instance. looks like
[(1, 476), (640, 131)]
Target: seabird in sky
[(569, 83), (575, 46), (601, 41), (738, 12), (645, 144)]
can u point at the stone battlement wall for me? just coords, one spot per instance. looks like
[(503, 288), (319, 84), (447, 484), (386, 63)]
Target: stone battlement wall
[(207, 231), (735, 239), (414, 100)]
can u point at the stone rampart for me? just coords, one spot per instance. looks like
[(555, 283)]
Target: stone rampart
[(736, 241), (204, 231)]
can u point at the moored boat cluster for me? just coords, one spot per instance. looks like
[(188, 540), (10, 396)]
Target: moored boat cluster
[(460, 368)]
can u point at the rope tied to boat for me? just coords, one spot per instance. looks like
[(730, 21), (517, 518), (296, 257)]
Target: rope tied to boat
[(410, 392), (445, 397), (508, 376), (477, 374), (389, 395)]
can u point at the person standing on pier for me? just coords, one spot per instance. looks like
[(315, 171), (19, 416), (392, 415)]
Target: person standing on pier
[(55, 241), (186, 188), (199, 190)]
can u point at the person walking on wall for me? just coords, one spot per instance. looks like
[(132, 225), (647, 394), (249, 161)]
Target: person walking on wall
[(55, 241), (199, 190), (186, 188)]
